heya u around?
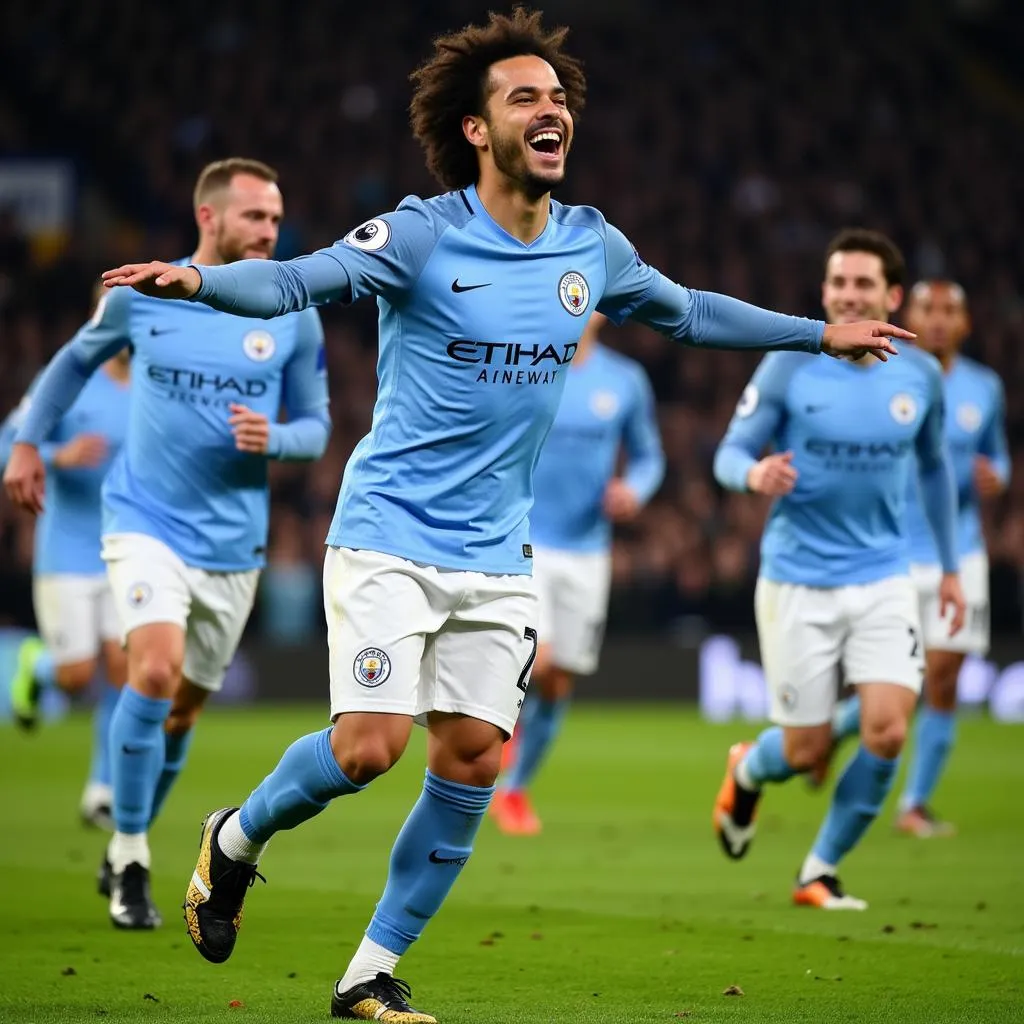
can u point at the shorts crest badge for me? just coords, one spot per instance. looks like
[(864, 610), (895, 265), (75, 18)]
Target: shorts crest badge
[(258, 346), (139, 594), (371, 667), (574, 293)]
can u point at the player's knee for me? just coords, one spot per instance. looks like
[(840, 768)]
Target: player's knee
[(805, 749), (77, 676), (366, 757), (884, 737), (155, 674)]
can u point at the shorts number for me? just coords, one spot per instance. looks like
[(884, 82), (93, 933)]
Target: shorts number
[(524, 677), (915, 643)]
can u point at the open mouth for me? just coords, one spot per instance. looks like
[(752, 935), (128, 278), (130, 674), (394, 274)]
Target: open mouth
[(546, 141)]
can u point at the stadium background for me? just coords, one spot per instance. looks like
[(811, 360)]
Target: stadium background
[(728, 143)]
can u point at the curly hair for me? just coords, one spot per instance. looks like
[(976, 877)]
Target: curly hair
[(454, 83)]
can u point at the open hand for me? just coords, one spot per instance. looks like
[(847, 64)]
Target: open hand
[(160, 280)]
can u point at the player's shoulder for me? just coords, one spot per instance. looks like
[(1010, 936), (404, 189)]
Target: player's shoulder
[(579, 217), (777, 369), (980, 374), (450, 209)]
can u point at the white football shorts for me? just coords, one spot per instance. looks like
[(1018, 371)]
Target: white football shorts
[(75, 614), (152, 584), (871, 630), (408, 639), (974, 637), (572, 587)]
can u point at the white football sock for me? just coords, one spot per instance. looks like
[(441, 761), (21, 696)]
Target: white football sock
[(125, 849), (742, 773), (234, 843), (369, 960), (815, 867)]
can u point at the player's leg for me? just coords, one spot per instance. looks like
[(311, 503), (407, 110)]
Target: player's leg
[(378, 610), (935, 732), (96, 805), (538, 726), (152, 597), (800, 633), (65, 653), (572, 588), (220, 606), (475, 677), (883, 642)]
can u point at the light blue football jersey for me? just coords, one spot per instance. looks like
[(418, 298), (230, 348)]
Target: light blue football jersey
[(477, 330), (854, 431), (975, 425), (179, 477), (67, 538), (607, 406)]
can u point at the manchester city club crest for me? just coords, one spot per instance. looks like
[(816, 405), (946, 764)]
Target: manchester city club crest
[(258, 346), (574, 293), (968, 417), (371, 667), (139, 594), (604, 404), (903, 409)]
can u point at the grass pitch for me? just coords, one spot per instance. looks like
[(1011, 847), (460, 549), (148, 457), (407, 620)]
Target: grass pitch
[(624, 910)]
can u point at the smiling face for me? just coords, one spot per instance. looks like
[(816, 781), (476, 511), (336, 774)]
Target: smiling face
[(855, 288), (526, 130)]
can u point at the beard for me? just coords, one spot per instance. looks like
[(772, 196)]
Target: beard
[(510, 159), (231, 249)]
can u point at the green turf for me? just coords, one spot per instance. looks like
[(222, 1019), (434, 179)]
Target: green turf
[(623, 910)]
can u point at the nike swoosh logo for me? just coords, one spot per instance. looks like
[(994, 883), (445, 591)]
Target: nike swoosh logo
[(456, 287), (125, 749), (156, 331), (815, 408), (435, 859)]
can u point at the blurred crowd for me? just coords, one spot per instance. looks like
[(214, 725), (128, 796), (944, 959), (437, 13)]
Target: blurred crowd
[(729, 143)]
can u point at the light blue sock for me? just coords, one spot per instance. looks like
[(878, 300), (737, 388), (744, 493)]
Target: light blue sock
[(305, 781), (102, 712), (175, 755), (936, 732), (44, 669), (543, 722), (765, 760), (136, 756), (430, 851), (859, 795), (846, 719)]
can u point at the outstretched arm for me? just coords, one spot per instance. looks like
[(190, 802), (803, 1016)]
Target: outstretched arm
[(637, 290)]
